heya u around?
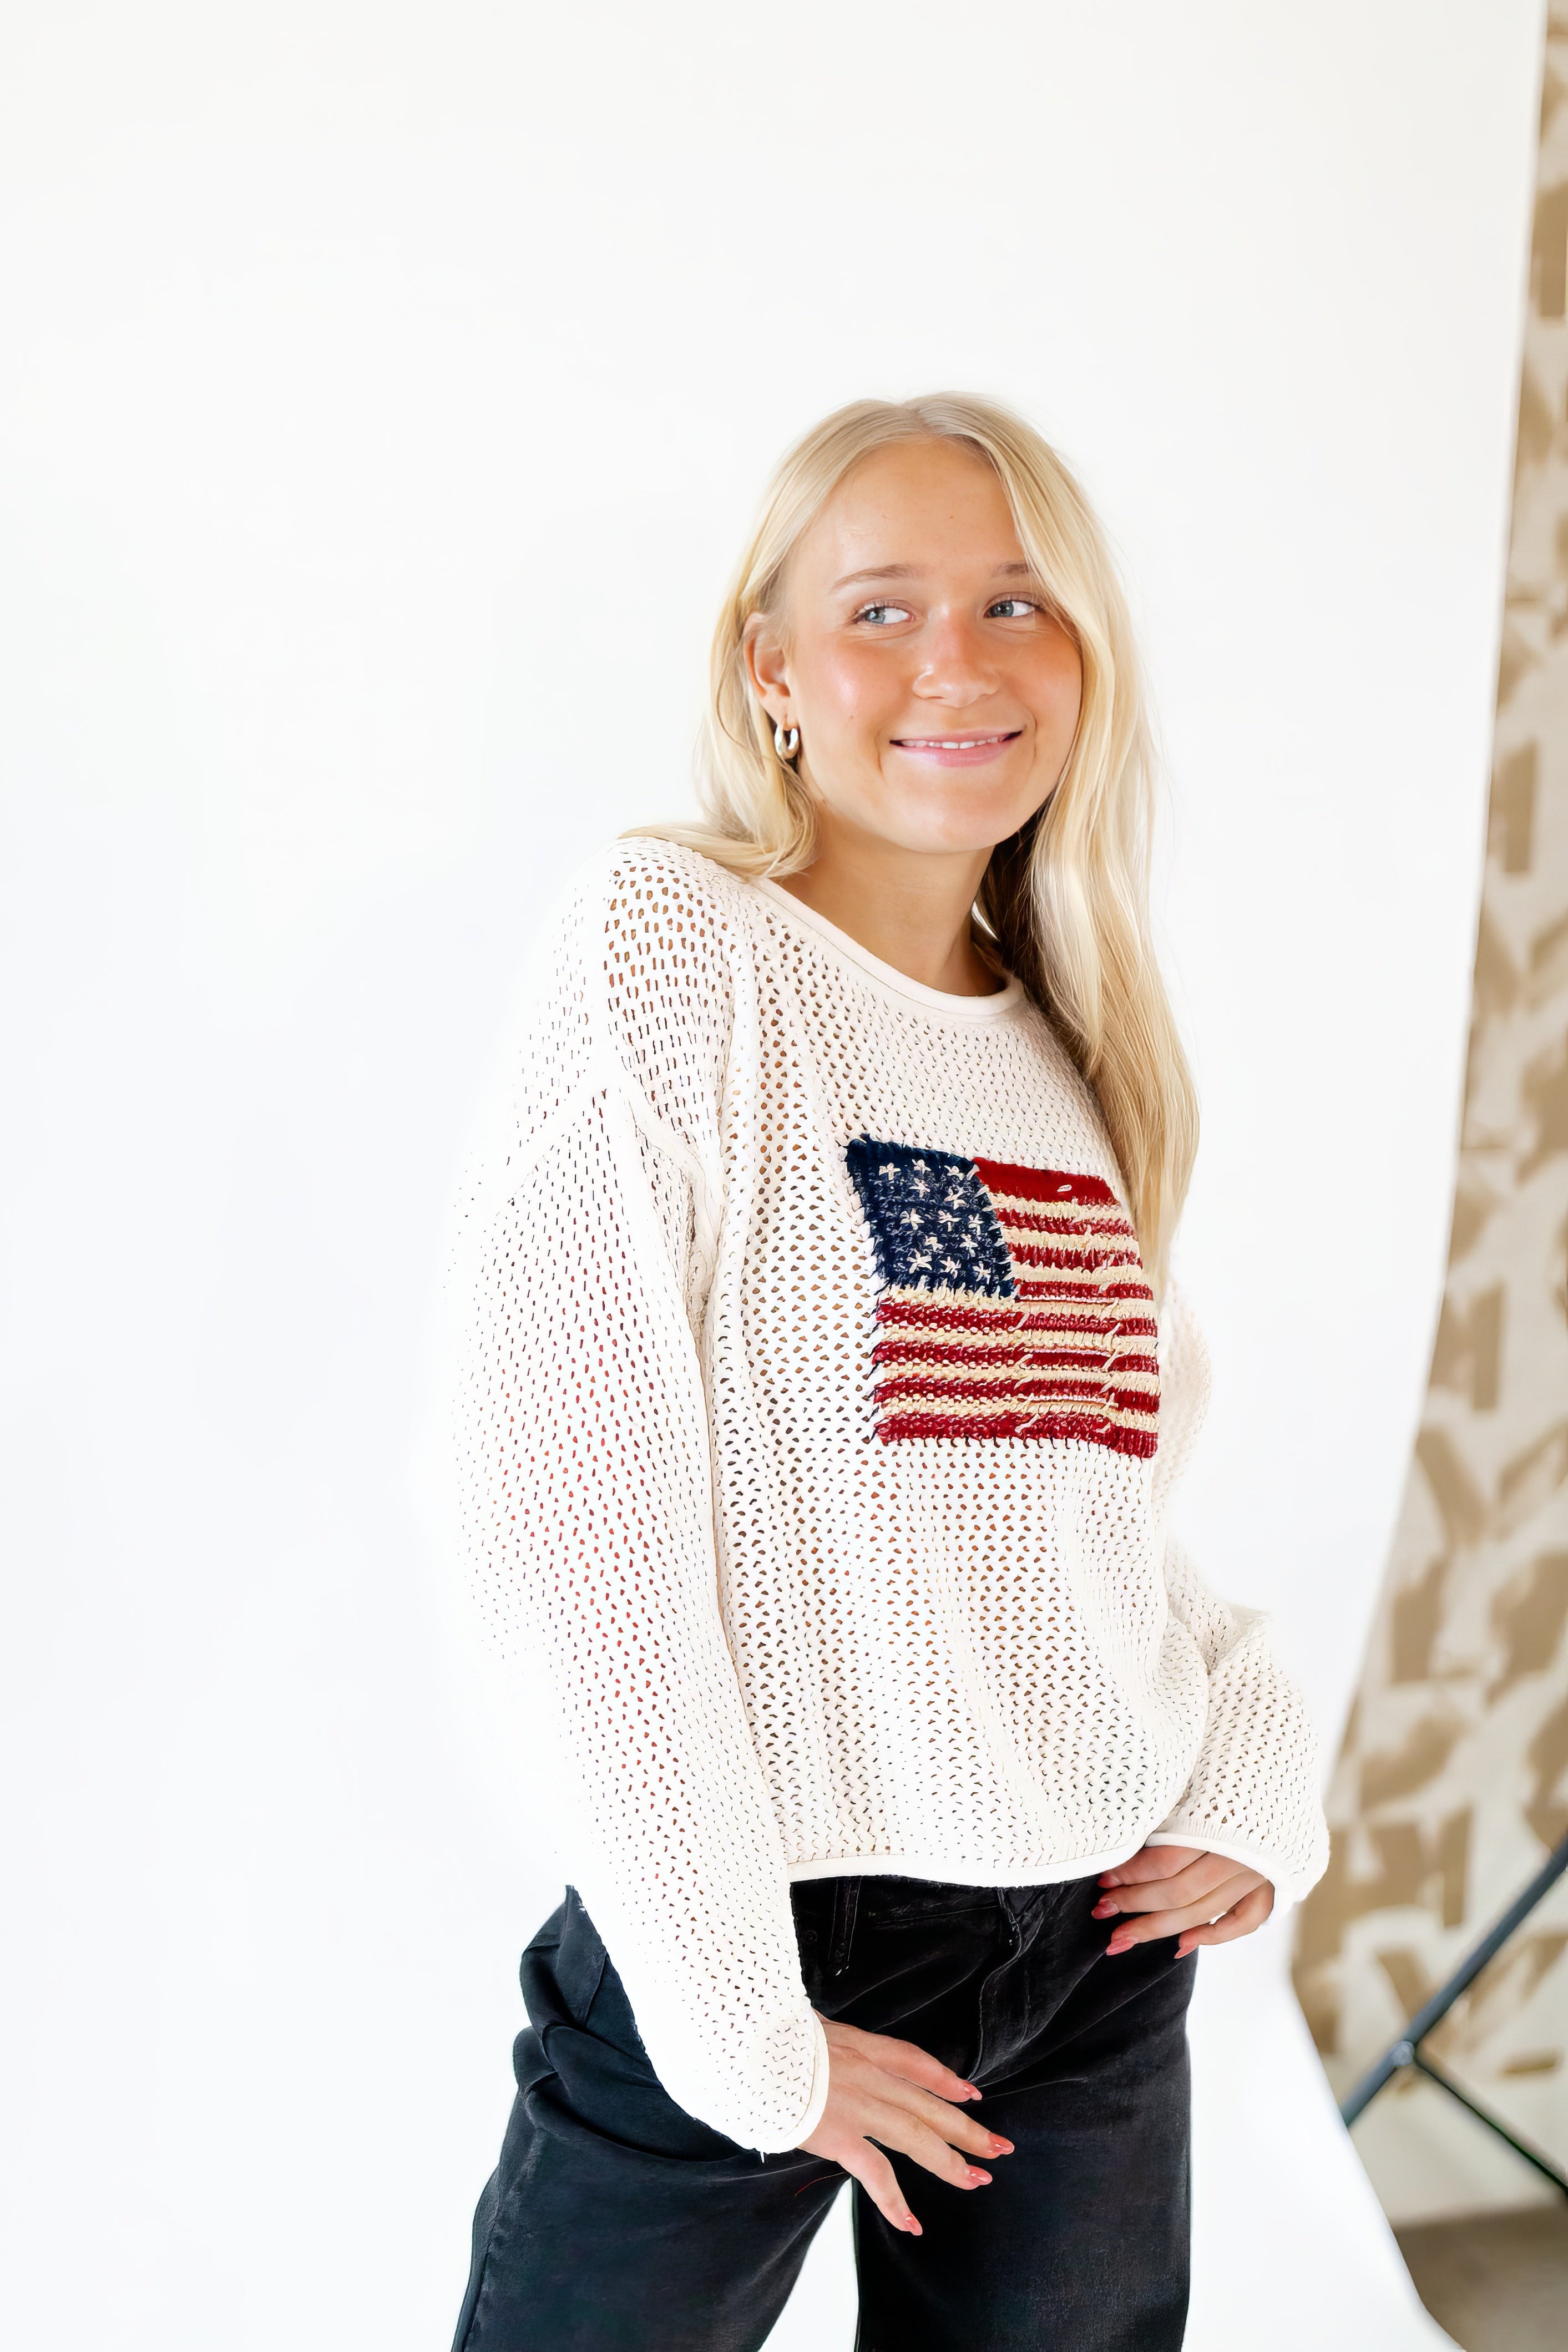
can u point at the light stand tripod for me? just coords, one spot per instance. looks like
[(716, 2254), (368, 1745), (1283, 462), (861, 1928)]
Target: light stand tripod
[(1406, 2051)]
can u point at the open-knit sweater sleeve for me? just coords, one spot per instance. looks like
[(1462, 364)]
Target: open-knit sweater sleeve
[(587, 1499), (1253, 1792)]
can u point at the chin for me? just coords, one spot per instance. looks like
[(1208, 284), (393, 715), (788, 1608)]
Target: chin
[(963, 833), (951, 819)]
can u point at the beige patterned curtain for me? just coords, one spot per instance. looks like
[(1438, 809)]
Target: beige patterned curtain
[(1453, 1780)]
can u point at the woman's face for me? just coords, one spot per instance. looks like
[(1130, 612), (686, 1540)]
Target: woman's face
[(936, 696)]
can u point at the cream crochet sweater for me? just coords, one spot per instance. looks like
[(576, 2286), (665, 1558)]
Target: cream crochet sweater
[(815, 1438)]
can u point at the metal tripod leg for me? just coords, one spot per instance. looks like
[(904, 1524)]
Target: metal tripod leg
[(1519, 2147), (1406, 2051)]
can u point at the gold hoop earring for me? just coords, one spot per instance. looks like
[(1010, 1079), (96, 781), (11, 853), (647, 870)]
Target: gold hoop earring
[(787, 740)]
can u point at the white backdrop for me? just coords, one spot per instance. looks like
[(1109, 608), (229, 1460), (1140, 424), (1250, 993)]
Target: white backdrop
[(386, 392)]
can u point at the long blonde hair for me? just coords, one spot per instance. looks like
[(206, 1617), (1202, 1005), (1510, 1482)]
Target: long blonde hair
[(1066, 898)]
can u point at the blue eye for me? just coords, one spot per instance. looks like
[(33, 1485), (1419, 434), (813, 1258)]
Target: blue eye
[(881, 616), (1020, 605)]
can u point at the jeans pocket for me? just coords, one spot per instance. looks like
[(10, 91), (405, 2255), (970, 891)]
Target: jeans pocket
[(825, 1913), (841, 1930), (906, 1903)]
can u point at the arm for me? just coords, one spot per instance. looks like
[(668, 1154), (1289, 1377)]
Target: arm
[(1253, 1794), (586, 1516)]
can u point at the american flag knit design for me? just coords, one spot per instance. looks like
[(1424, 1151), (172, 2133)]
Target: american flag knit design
[(1015, 1304)]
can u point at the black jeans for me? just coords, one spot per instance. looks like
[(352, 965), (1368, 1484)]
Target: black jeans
[(617, 2220)]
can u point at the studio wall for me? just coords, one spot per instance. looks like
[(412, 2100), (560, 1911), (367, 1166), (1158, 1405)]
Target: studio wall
[(386, 393)]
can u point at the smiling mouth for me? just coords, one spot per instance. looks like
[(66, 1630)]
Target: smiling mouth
[(955, 742)]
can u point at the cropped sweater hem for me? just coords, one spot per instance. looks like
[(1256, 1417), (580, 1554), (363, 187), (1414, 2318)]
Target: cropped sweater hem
[(945, 1871)]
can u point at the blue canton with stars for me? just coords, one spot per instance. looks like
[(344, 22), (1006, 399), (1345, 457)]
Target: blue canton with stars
[(932, 1220)]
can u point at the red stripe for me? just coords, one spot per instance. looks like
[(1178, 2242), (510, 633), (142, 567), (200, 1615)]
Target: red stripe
[(911, 1314), (1036, 1254), (1045, 1184), (934, 1351), (1139, 1442), (1024, 1360), (960, 1351), (920, 1317), (1095, 1291), (1057, 1391), (1065, 1221)]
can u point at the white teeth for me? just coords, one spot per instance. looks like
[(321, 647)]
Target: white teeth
[(967, 743)]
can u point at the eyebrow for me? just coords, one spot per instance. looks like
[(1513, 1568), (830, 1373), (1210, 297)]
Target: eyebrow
[(911, 571)]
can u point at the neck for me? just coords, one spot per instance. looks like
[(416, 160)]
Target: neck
[(910, 907)]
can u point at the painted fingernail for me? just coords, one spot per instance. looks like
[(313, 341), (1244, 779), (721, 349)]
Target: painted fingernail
[(1117, 1945), (1109, 1878), (1001, 2146), (970, 2092), (1104, 1909), (978, 2179), (913, 2226)]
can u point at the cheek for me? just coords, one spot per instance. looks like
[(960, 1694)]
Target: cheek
[(1058, 687), (845, 691)]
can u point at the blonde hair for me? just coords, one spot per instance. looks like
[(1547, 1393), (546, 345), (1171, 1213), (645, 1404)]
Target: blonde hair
[(1066, 900)]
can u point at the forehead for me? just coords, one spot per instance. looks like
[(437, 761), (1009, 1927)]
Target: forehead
[(918, 505)]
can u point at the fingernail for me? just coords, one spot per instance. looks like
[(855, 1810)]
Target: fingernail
[(1104, 1909), (981, 2179), (913, 2226), (971, 2093), (1001, 2146), (1115, 1948), (1109, 1878)]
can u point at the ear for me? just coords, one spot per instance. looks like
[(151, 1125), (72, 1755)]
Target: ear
[(767, 666)]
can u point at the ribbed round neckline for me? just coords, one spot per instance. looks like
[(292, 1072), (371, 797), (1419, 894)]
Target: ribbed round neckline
[(995, 1007)]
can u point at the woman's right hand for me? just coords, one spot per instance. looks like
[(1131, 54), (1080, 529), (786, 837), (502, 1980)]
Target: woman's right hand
[(887, 2091)]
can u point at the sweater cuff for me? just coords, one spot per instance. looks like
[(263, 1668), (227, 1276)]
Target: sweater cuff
[(818, 2085), (816, 2102)]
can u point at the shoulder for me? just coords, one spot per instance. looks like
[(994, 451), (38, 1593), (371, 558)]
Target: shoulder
[(654, 942), (643, 919), (662, 892)]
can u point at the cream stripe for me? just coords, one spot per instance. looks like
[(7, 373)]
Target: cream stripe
[(977, 1407)]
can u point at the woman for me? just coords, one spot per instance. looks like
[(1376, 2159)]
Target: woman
[(823, 1393)]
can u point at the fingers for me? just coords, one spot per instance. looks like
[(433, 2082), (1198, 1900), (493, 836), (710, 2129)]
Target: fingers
[(1206, 1875), (931, 2150), (1153, 1925), (870, 2167), (1150, 1862), (904, 2059), (1209, 1885), (932, 2137), (1183, 1891), (1243, 1920), (886, 2126), (877, 2099), (867, 2101), (1252, 1907), (923, 2127)]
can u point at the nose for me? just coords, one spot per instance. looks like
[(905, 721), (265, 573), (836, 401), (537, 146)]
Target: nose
[(957, 667)]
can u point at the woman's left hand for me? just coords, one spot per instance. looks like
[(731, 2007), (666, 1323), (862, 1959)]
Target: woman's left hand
[(1185, 1891)]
